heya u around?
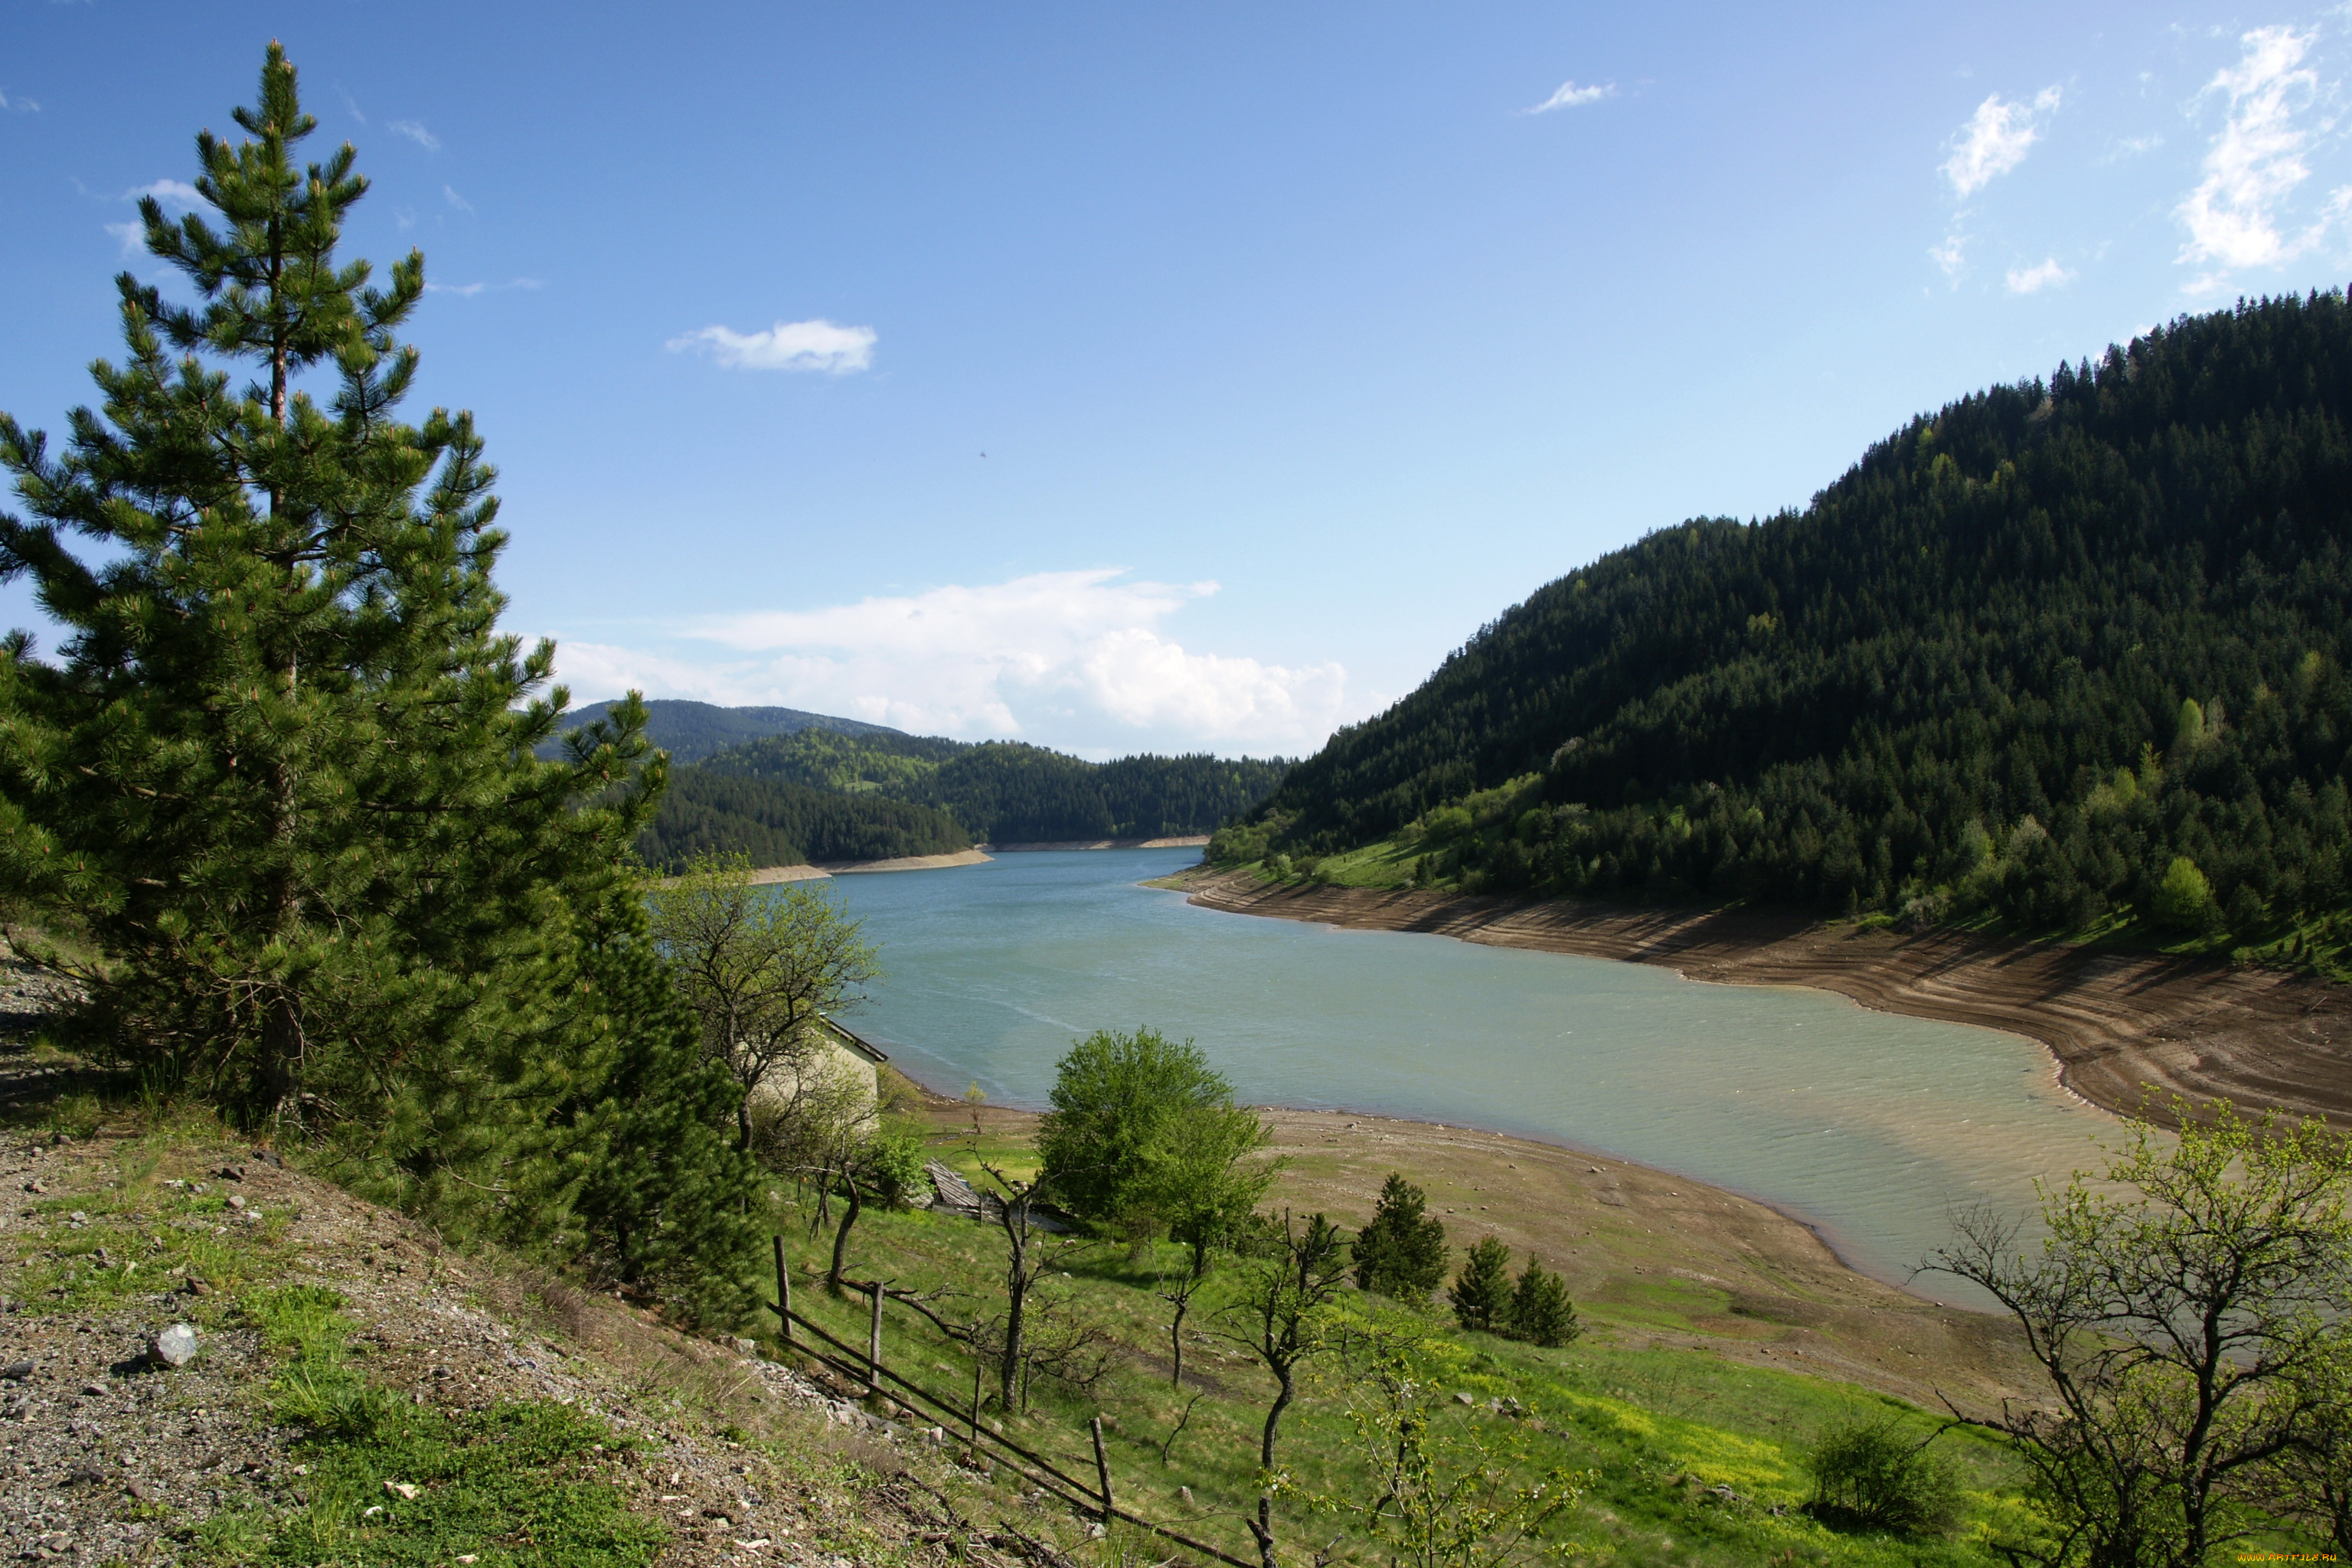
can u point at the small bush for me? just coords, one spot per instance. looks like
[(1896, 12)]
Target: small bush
[(1870, 1475)]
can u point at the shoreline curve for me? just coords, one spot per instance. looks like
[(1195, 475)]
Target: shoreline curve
[(829, 869), (2127, 1031)]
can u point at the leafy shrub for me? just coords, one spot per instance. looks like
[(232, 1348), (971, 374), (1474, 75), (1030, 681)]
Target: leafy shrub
[(2185, 899), (1870, 1475)]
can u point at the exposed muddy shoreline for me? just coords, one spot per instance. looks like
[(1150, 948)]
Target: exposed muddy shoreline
[(2129, 1030)]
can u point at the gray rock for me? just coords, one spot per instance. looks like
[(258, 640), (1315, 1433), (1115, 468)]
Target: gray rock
[(17, 1372), (176, 1346)]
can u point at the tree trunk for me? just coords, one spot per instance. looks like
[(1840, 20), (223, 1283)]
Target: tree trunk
[(855, 1201), (1262, 1527), (1014, 1218)]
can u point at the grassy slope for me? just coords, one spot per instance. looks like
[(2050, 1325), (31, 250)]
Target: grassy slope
[(1660, 1426)]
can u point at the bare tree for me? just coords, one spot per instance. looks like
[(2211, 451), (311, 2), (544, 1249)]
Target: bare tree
[(1030, 1252), (2182, 1330), (1274, 1318), (760, 966), (1179, 1296)]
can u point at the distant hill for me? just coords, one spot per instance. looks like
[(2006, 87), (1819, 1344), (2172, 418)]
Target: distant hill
[(691, 732), (777, 822), (2064, 652), (1006, 792)]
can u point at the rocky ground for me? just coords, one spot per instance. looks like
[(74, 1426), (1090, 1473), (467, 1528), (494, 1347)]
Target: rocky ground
[(113, 1230)]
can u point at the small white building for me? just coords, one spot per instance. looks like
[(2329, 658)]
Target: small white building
[(849, 1063)]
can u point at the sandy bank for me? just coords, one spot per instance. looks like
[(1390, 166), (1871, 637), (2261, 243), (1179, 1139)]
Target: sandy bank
[(1650, 1259), (857, 867), (2121, 1025), (1193, 842)]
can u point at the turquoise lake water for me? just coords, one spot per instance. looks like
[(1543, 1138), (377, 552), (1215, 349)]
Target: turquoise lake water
[(1871, 1127)]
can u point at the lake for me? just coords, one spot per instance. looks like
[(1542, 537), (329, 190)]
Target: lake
[(1869, 1126)]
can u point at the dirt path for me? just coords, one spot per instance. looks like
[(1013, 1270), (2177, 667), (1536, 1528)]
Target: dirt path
[(2123, 1026)]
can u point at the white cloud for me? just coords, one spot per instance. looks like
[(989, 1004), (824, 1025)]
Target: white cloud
[(18, 105), (2255, 162), (1073, 660), (2032, 280), (169, 192), (1572, 96), (415, 132), (133, 237), (1951, 256), (460, 202), (467, 290), (1995, 140), (788, 345)]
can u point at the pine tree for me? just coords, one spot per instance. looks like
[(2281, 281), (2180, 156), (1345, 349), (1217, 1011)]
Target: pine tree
[(1482, 1291), (280, 773), (1541, 1312), (1401, 1251), (664, 1197)]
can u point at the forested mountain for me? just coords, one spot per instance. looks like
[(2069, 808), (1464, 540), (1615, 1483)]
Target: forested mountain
[(777, 822), (691, 732), (1005, 792), (2065, 649)]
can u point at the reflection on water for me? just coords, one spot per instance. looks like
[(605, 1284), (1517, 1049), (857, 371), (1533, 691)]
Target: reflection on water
[(1870, 1126)]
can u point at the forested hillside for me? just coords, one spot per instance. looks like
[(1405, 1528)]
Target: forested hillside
[(780, 824), (1005, 792), (691, 732), (2066, 650)]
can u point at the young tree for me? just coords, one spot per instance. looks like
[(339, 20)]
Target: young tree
[(281, 770), (760, 966), (1445, 1487), (1402, 1251), (664, 1199), (1482, 1291), (1274, 1319), (1179, 1294), (2182, 1331), (1144, 1136), (1030, 1253), (1541, 1312)]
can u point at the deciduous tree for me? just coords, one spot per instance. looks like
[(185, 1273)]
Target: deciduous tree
[(2180, 1316)]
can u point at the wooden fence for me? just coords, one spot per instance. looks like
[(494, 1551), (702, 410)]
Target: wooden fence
[(866, 1365)]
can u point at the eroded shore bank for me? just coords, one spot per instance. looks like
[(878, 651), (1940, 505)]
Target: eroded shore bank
[(2129, 1030)]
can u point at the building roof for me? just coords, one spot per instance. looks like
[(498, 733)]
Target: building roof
[(857, 1043)]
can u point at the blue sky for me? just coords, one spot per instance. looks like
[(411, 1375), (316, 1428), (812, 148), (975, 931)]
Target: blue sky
[(1120, 376)]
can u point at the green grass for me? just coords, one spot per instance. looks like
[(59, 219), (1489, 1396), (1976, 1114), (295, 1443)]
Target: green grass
[(520, 1482), (1659, 1427)]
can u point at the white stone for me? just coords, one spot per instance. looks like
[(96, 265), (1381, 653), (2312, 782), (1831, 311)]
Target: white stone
[(176, 1346)]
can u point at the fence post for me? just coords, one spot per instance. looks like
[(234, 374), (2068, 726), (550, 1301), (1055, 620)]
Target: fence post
[(978, 1364), (1102, 1470), (874, 1343), (783, 1291)]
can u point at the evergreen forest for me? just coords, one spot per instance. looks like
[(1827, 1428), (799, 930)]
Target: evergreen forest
[(780, 824), (2064, 655), (996, 791)]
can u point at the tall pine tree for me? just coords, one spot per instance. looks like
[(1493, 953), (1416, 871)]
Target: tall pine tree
[(281, 772)]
